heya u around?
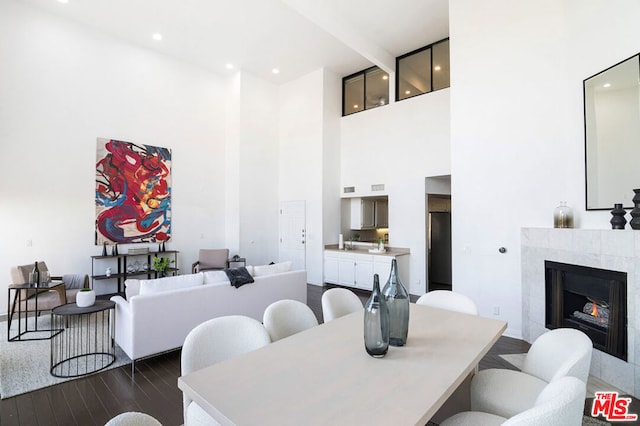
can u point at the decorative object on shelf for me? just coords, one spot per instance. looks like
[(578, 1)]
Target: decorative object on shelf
[(127, 173), (161, 265), (104, 248), (144, 267), (85, 297), (114, 250), (163, 247), (376, 322), (563, 216), (130, 268), (107, 272), (618, 221), (635, 213), (397, 298), (138, 250), (380, 244), (35, 275), (340, 242)]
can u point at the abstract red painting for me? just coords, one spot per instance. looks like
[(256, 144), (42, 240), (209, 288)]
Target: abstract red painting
[(133, 193)]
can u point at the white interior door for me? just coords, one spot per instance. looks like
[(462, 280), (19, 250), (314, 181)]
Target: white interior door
[(293, 233)]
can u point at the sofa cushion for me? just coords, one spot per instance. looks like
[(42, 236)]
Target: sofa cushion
[(276, 268), (161, 285), (131, 288), (211, 277), (239, 276)]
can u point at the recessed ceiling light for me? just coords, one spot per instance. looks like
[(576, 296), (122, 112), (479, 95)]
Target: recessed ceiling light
[(157, 36), (385, 77), (606, 85), (275, 71), (407, 92), (63, 1), (355, 106), (437, 68), (229, 66)]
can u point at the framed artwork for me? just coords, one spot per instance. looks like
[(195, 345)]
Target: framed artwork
[(133, 193)]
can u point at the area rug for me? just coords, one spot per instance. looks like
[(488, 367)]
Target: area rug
[(24, 365)]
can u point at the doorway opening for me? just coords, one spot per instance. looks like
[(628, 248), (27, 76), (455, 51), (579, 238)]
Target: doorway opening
[(439, 242)]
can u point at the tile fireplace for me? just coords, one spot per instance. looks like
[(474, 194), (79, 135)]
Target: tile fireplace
[(616, 355)]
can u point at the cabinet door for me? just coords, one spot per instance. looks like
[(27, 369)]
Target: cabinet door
[(382, 214), (382, 267), (364, 272), (368, 213), (331, 268), (346, 270)]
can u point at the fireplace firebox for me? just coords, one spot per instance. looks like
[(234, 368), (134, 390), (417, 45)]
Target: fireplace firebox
[(591, 300)]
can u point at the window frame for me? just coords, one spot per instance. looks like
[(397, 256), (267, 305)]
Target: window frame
[(414, 52)]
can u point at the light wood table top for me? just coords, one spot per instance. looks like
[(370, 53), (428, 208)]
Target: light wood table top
[(324, 375)]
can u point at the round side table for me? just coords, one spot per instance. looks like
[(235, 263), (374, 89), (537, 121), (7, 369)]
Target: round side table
[(86, 343)]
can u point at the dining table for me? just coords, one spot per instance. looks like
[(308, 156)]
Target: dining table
[(324, 376)]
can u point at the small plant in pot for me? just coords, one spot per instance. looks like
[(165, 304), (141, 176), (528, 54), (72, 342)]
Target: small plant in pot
[(85, 297), (161, 265)]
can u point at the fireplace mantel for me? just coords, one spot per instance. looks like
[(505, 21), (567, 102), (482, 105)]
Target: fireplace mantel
[(616, 250)]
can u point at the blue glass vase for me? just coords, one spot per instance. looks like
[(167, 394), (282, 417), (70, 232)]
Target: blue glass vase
[(376, 322), (397, 298)]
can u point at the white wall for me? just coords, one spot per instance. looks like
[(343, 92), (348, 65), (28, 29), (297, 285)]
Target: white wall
[(517, 145), (310, 159), (61, 86), (400, 145)]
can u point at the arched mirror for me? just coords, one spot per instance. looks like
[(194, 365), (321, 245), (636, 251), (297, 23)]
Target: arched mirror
[(612, 135)]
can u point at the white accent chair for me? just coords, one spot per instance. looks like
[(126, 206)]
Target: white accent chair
[(555, 354), (561, 403), (338, 302), (213, 341), (133, 418), (449, 300), (286, 317)]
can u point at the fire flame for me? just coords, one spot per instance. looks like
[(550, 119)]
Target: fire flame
[(594, 310)]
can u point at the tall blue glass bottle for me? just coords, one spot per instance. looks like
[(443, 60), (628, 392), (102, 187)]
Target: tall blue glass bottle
[(397, 298), (376, 322)]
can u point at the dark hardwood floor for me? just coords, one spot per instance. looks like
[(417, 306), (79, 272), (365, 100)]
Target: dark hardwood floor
[(95, 399)]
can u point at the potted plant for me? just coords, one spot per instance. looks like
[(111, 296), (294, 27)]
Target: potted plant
[(85, 297), (161, 265)]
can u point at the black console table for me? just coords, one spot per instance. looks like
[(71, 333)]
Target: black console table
[(120, 262)]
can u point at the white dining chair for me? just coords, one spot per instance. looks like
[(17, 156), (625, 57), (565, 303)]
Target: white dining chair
[(449, 300), (133, 418), (560, 403), (557, 353), (286, 317), (214, 341), (338, 302)]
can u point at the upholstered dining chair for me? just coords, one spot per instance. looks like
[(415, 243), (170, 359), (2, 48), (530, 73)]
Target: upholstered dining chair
[(560, 403), (47, 299), (286, 317), (449, 300), (338, 302), (133, 418), (555, 354), (213, 341), (211, 259)]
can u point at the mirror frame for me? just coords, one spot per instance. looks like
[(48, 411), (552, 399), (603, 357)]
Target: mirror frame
[(627, 202)]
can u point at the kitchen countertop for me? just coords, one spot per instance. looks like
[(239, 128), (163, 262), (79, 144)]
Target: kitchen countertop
[(364, 249)]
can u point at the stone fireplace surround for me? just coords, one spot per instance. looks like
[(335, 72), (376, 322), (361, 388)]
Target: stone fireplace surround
[(617, 250)]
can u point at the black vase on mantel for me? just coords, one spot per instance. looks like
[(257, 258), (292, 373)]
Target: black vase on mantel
[(618, 220), (397, 298), (376, 322), (635, 213)]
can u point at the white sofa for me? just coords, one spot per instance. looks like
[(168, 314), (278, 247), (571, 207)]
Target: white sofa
[(158, 314)]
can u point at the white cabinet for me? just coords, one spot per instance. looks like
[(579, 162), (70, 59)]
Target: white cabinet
[(369, 213), (363, 271), (356, 269), (331, 267), (382, 267)]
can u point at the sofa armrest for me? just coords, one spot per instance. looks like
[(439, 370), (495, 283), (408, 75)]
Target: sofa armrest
[(124, 326)]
